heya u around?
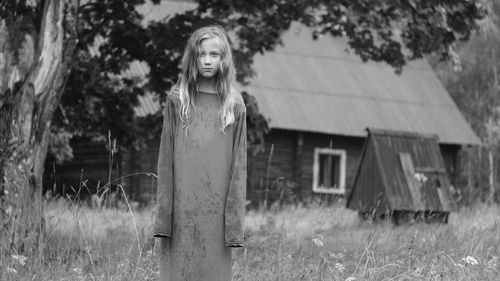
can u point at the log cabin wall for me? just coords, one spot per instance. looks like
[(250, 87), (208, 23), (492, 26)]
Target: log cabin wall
[(293, 159), (140, 170), (451, 162), (265, 167), (351, 145), (88, 169)]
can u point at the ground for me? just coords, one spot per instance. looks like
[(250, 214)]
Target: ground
[(294, 243)]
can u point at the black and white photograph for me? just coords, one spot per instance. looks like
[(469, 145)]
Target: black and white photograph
[(249, 140)]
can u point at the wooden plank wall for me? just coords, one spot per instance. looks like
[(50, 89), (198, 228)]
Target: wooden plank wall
[(351, 145), (90, 165), (265, 168), (140, 186), (93, 160), (370, 199), (285, 154), (450, 157)]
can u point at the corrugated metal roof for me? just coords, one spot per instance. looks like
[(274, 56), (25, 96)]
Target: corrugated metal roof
[(164, 8), (319, 86)]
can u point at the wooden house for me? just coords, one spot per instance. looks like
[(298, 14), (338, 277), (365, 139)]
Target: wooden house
[(320, 98)]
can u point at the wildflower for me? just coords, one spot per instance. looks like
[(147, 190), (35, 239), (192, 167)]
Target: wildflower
[(339, 267), (470, 260), (492, 264), (420, 177), (350, 278), (289, 257), (77, 270), (20, 258), (11, 270), (336, 256), (318, 240), (124, 265)]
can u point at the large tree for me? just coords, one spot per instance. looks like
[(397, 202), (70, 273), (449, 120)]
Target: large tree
[(38, 50)]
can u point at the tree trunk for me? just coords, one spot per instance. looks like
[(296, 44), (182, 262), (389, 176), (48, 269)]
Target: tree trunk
[(491, 176), (31, 82), (492, 138)]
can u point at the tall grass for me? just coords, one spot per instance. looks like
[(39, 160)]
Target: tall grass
[(294, 243), (287, 243), (331, 243)]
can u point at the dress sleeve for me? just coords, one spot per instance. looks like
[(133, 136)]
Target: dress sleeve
[(165, 186), (234, 212)]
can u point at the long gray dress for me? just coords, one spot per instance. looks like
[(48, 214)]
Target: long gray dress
[(201, 191)]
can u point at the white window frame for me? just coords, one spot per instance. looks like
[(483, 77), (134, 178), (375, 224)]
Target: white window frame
[(332, 190)]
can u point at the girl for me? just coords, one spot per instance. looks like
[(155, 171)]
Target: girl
[(202, 165)]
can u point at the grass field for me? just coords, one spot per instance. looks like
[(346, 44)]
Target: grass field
[(295, 243)]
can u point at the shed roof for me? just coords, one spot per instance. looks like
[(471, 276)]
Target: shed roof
[(401, 171), (320, 86)]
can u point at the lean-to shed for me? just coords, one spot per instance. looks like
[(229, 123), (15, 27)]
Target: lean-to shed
[(401, 171)]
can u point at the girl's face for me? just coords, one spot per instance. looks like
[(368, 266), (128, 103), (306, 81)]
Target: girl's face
[(210, 56)]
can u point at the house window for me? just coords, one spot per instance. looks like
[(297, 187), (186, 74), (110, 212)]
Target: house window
[(329, 171)]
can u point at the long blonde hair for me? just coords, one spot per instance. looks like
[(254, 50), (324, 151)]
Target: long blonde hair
[(224, 78)]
